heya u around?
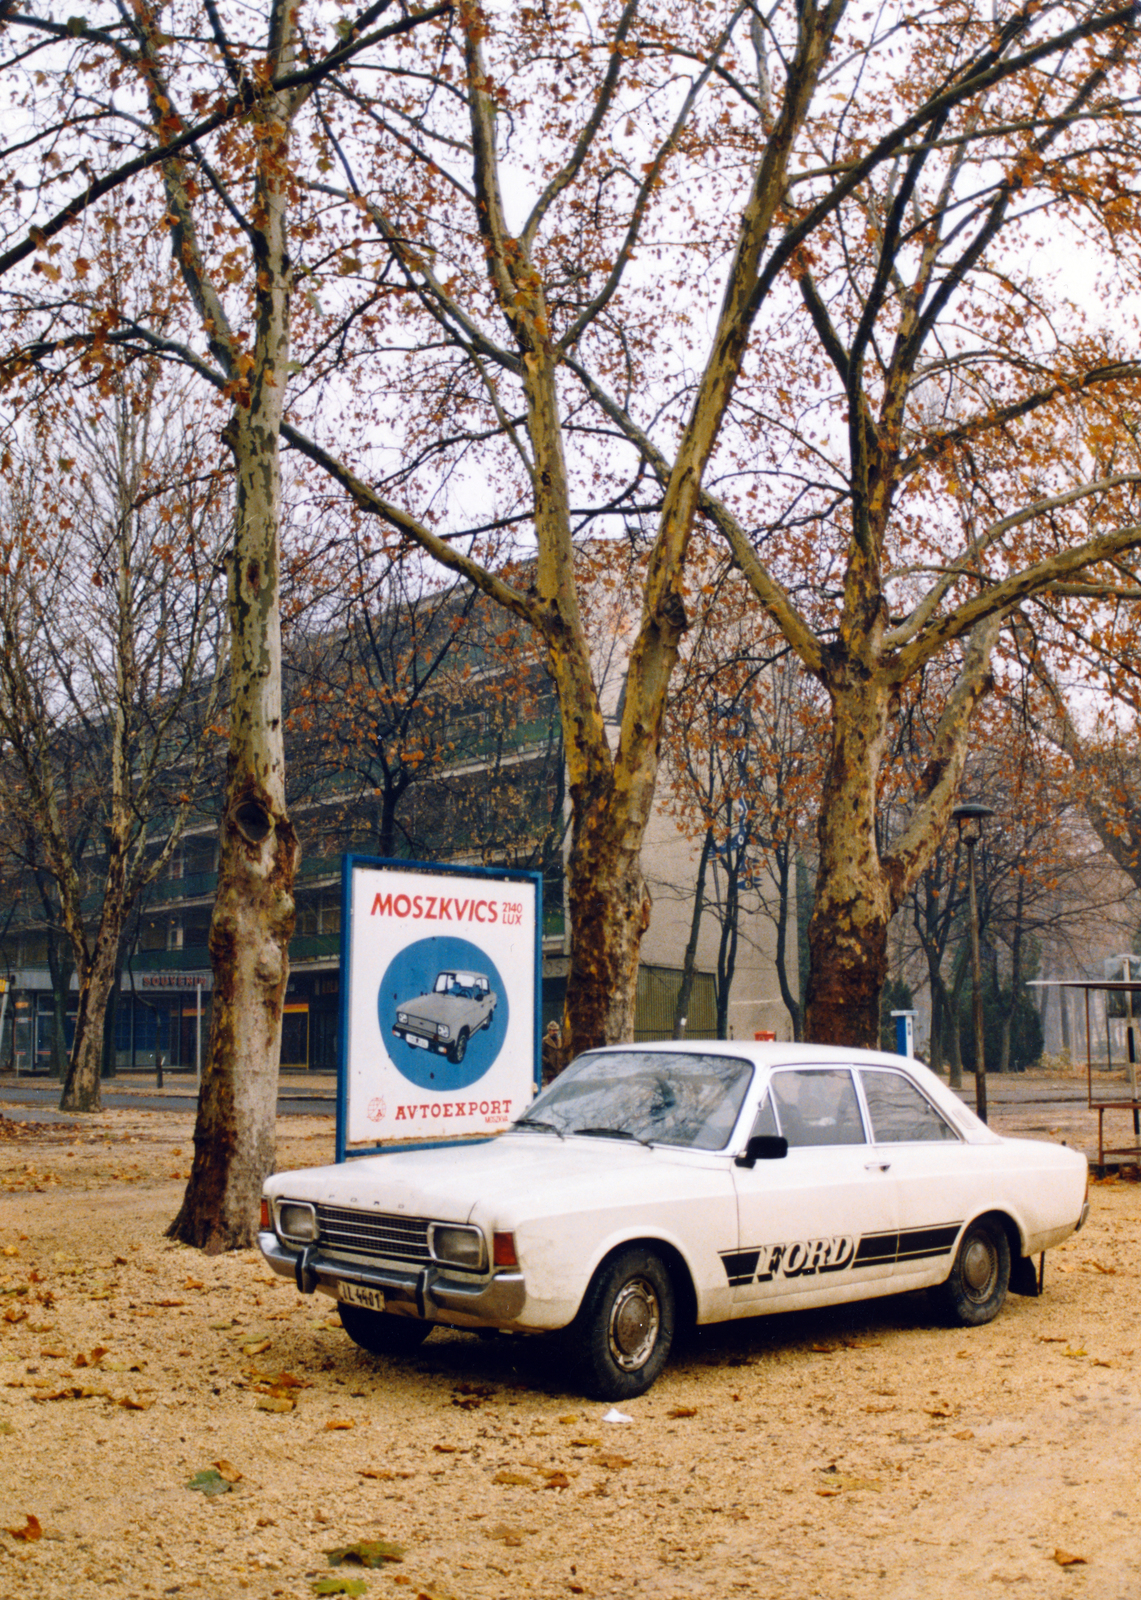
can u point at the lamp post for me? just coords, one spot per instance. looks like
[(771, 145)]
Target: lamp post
[(969, 816)]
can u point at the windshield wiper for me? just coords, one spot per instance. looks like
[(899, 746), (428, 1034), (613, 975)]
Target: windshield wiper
[(534, 1122), (614, 1133)]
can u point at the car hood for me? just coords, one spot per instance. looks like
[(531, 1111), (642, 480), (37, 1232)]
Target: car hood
[(505, 1180), (432, 1007)]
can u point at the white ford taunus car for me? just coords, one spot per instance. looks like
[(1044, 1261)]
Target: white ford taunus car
[(648, 1186)]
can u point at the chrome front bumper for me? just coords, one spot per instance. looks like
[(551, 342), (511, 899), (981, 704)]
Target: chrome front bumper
[(426, 1293)]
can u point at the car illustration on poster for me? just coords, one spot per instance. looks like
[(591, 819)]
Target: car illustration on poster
[(443, 1013), (458, 1005)]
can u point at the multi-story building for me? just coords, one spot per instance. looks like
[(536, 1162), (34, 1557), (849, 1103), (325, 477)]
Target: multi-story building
[(484, 786)]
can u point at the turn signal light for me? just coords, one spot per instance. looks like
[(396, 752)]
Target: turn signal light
[(263, 1222), (503, 1250)]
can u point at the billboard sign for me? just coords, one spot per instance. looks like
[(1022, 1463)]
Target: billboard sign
[(440, 1007)]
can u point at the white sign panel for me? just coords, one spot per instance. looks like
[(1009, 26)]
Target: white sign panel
[(440, 1006)]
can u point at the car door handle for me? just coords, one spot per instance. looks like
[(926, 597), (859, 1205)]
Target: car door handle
[(877, 1166)]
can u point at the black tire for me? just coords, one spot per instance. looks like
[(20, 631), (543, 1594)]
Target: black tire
[(459, 1049), (975, 1291), (382, 1334), (625, 1326)]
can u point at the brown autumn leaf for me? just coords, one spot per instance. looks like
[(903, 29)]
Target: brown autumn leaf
[(92, 1359), (1065, 1559), (257, 1348), (336, 1424), (226, 1470), (557, 1480), (128, 1404), (274, 1402), (30, 1531), (612, 1463), (517, 1479), (444, 1449), (682, 1411), (964, 1433), (941, 1408)]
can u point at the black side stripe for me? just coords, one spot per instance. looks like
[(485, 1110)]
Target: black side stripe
[(873, 1250)]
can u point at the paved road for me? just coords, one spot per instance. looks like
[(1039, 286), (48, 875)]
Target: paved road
[(315, 1100)]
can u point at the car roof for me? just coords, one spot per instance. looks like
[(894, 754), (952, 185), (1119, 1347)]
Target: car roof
[(769, 1054)]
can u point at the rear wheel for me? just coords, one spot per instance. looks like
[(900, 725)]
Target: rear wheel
[(975, 1291), (382, 1334), (625, 1327)]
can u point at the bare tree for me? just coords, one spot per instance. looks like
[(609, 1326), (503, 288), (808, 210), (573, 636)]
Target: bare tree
[(112, 667)]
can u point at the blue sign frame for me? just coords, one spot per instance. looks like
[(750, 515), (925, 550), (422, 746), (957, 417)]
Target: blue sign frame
[(483, 875)]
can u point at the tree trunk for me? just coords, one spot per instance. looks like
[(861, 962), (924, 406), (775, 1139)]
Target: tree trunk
[(609, 911), (847, 934), (235, 1131), (81, 1092), (60, 969), (783, 875), (689, 961), (727, 945), (97, 970)]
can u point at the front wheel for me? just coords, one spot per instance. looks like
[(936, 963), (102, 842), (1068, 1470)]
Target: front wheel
[(459, 1049), (625, 1326), (975, 1291), (382, 1334)]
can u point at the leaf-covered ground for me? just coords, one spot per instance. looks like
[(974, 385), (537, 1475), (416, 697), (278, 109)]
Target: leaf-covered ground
[(177, 1425)]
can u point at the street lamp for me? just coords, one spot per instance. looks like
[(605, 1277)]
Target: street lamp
[(969, 815)]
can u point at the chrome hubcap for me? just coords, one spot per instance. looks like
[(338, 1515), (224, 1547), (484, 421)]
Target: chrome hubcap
[(635, 1319), (978, 1268)]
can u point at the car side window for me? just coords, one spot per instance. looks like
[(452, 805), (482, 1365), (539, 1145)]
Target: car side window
[(900, 1113), (817, 1106)]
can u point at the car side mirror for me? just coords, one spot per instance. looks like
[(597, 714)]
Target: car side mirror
[(763, 1147)]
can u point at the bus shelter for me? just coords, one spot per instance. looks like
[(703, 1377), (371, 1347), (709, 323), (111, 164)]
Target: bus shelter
[(1122, 1001)]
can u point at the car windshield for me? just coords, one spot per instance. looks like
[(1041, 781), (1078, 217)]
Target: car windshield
[(659, 1097), (464, 985)]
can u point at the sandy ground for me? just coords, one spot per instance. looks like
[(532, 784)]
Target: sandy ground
[(847, 1453)]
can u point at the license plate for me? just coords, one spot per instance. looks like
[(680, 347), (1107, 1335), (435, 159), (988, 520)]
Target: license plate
[(359, 1294)]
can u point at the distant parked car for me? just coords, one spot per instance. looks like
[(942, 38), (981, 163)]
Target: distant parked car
[(649, 1186), (458, 1005)]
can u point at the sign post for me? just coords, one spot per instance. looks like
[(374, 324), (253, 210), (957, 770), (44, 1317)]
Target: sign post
[(440, 1002)]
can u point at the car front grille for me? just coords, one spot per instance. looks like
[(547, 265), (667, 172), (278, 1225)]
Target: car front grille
[(374, 1233)]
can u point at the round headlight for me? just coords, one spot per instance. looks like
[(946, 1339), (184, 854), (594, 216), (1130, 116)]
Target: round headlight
[(457, 1246), (402, 1016), (443, 1030)]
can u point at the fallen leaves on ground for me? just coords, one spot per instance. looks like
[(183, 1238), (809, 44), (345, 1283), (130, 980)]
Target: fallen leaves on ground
[(30, 1531), (365, 1553), (209, 1481), (504, 1533), (1065, 1559)]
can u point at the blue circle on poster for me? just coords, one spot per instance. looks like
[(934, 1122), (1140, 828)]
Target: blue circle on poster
[(443, 1013)]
